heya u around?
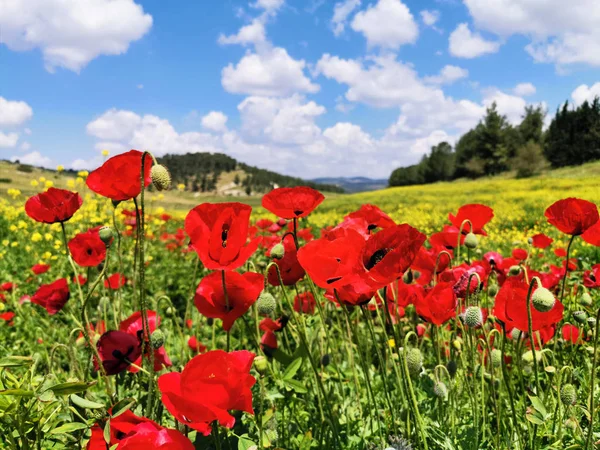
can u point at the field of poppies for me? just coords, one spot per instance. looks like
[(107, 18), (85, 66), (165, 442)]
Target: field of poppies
[(414, 319)]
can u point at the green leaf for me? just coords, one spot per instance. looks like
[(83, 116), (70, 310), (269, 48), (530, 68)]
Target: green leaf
[(84, 403), (72, 387), (535, 419), (16, 361), (107, 431), (295, 386), (121, 406), (292, 369), (69, 428), (244, 442), (538, 405), (17, 392)]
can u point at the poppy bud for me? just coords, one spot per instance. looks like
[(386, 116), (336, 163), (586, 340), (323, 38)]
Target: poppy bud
[(157, 339), (161, 178), (261, 364), (517, 334), (414, 360), (106, 235), (514, 270), (580, 316), (452, 367), (543, 300), (169, 311), (528, 357), (496, 358), (266, 304), (278, 251), (568, 395), (103, 303), (585, 299), (492, 290), (591, 321), (440, 390), (473, 317), (457, 344), (408, 277), (530, 241), (325, 360), (471, 241)]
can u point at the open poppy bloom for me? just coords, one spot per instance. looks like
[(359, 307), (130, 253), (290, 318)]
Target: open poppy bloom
[(591, 278), (373, 216), (289, 267), (52, 296), (209, 386), (439, 304), (39, 269), (592, 234), (572, 215), (218, 233), (133, 325), (541, 241), (53, 206), (7, 317), (115, 281), (570, 333), (479, 216), (119, 177), (242, 292), (195, 345), (8, 286), (87, 249), (118, 350), (292, 202), (268, 341), (305, 303)]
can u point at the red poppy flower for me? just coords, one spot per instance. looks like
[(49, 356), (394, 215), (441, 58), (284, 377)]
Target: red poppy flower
[(465, 279), (404, 294), (591, 278), (94, 332), (373, 216), (592, 235), (264, 224), (439, 305), (242, 292), (133, 325), (52, 296), (446, 239), (570, 333), (8, 286), (209, 386), (195, 345), (305, 303), (81, 279), (541, 241), (572, 215), (268, 340), (115, 281), (39, 269), (219, 233), (427, 261), (357, 292), (560, 252), (52, 206), (7, 317), (289, 267), (119, 177), (118, 350), (510, 307), (478, 215), (292, 202), (520, 254), (87, 249)]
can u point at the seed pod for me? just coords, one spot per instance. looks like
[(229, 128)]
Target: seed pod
[(492, 290), (543, 300), (473, 317), (496, 358), (585, 299), (161, 178), (106, 235), (157, 339), (261, 364), (514, 270), (278, 251), (471, 241), (414, 360), (440, 390), (266, 304), (568, 395), (452, 367), (580, 316)]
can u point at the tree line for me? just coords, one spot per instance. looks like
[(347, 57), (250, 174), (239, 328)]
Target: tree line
[(495, 146)]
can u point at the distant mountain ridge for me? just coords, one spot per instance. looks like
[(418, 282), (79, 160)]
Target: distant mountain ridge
[(354, 184)]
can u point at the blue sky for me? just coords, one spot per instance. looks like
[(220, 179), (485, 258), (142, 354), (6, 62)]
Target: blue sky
[(303, 87)]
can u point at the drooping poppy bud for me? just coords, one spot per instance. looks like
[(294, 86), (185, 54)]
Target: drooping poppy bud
[(440, 390), (161, 178), (266, 304)]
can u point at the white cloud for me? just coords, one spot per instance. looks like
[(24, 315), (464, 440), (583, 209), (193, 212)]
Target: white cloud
[(215, 121), (25, 146), (14, 113), (511, 106), (341, 12), (269, 6), (253, 33), (71, 33), (448, 75), (34, 159), (430, 18), (561, 33), (350, 137), (114, 124), (584, 92), (423, 145), (466, 44), (8, 140), (387, 24), (524, 89), (272, 72)]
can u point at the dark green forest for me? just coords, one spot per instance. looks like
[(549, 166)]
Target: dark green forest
[(495, 146)]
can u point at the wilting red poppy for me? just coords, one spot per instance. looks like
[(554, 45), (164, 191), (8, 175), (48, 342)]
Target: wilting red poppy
[(52, 206), (195, 345), (570, 333), (510, 307), (439, 304), (591, 278), (87, 249), (373, 216), (242, 291), (572, 215), (465, 279), (52, 296), (478, 215), (218, 233), (209, 386), (289, 267), (292, 202), (119, 177), (115, 281), (118, 350), (39, 269), (133, 325), (541, 241), (305, 303)]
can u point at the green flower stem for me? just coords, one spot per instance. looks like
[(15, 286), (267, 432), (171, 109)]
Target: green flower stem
[(413, 398), (505, 377), (534, 280), (588, 441)]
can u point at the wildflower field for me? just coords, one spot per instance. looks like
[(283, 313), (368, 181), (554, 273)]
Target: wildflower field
[(450, 316)]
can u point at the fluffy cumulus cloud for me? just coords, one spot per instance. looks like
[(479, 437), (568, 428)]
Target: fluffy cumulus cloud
[(253, 33), (270, 6), (8, 140), (466, 44), (430, 18), (448, 75), (559, 32), (34, 159), (511, 106), (585, 92), (71, 33), (14, 113), (215, 121), (524, 89), (341, 12), (387, 24)]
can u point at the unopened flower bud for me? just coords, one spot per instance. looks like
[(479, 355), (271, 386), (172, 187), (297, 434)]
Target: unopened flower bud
[(106, 235), (278, 251), (440, 390), (580, 316), (473, 317), (568, 395), (452, 367), (408, 277), (496, 358), (266, 304), (492, 290), (528, 357), (543, 300), (169, 311), (261, 364), (161, 178), (471, 241), (585, 299), (414, 360), (514, 270), (157, 339), (591, 321), (325, 360)]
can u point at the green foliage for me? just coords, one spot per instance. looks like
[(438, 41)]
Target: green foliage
[(529, 160)]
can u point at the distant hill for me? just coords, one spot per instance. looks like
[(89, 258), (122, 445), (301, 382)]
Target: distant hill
[(221, 174), (354, 184)]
